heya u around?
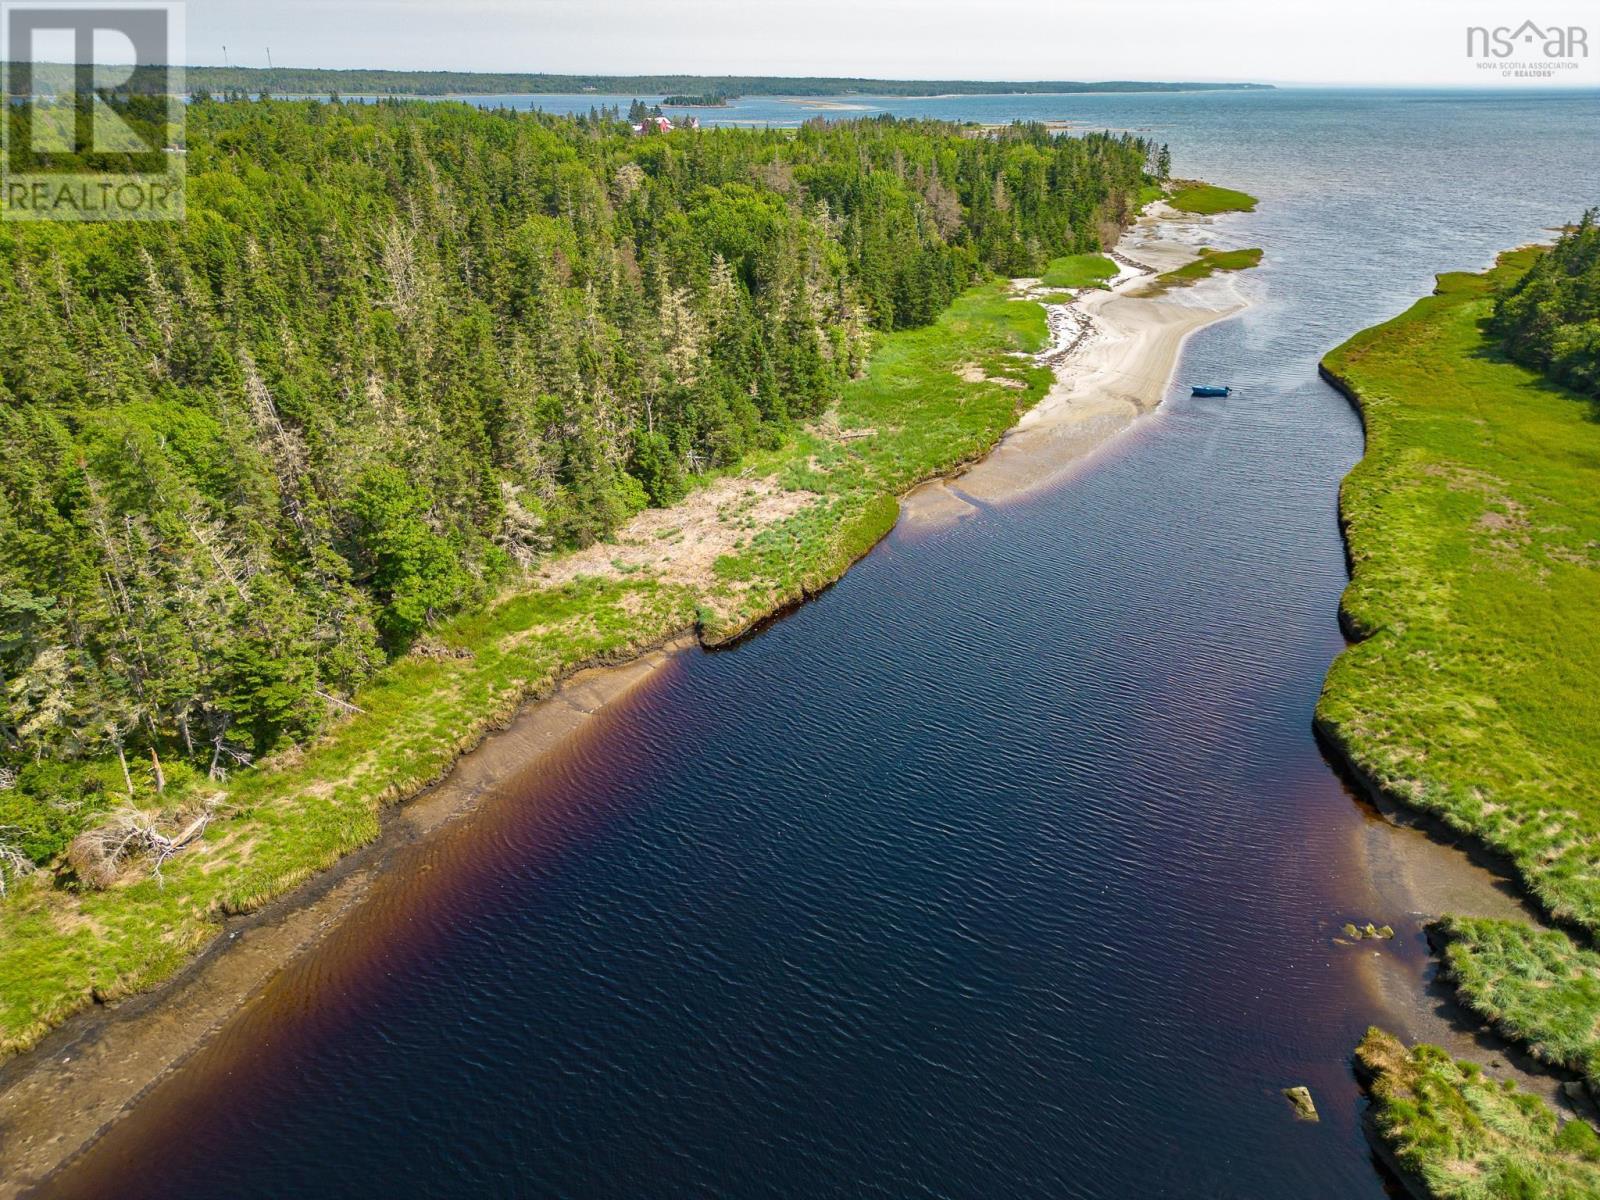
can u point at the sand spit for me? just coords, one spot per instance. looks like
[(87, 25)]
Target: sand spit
[(1113, 351)]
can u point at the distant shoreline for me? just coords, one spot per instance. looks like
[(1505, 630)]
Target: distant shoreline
[(317, 80)]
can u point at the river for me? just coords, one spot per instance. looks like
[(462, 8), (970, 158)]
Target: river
[(1008, 866)]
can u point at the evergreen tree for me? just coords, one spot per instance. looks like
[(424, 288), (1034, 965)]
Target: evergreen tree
[(400, 350)]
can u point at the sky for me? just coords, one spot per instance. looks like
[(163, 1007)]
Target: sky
[(1395, 42)]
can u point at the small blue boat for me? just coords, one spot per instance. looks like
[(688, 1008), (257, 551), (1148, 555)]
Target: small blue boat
[(1208, 390)]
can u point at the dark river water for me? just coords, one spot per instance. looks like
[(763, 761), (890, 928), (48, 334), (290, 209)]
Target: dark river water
[(1007, 867)]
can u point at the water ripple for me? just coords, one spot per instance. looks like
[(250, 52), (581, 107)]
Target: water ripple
[(1004, 868)]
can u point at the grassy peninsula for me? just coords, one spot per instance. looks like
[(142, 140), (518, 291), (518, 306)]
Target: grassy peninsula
[(1209, 263), (1207, 200), (1455, 1134), (423, 408), (1535, 986), (1473, 528)]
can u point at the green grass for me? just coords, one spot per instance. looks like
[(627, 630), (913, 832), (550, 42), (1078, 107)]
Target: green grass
[(929, 421), (1473, 525), (1079, 271), (1536, 986), (1207, 200), (302, 810), (1208, 264), (1461, 1135)]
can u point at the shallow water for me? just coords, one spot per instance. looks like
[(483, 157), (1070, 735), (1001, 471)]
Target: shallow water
[(1009, 866)]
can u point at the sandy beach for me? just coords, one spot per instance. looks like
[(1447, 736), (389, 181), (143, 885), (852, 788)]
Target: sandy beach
[(1114, 352)]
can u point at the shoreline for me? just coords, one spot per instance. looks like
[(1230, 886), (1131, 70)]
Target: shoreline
[(60, 1096), (1120, 349), (1419, 863), (1393, 807)]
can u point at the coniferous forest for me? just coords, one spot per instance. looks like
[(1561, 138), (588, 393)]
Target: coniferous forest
[(1550, 319), (399, 352)]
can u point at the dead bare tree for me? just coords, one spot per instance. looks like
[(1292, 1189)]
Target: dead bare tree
[(212, 538), (14, 864), (97, 855), (342, 705), (221, 747), (115, 733), (284, 448)]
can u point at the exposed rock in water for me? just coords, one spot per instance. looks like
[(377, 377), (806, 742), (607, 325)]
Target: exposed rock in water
[(1300, 1098), (1369, 930)]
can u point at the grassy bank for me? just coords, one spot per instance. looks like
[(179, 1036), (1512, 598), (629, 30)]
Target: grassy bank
[(1207, 265), (1536, 986), (1079, 271), (930, 400), (1473, 526), (1206, 200), (1455, 1134)]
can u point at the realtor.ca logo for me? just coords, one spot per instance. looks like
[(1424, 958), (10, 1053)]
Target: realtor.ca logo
[(92, 125), (1528, 50)]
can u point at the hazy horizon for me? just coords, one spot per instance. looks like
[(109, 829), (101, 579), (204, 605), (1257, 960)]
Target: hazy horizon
[(1281, 84), (1362, 43)]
